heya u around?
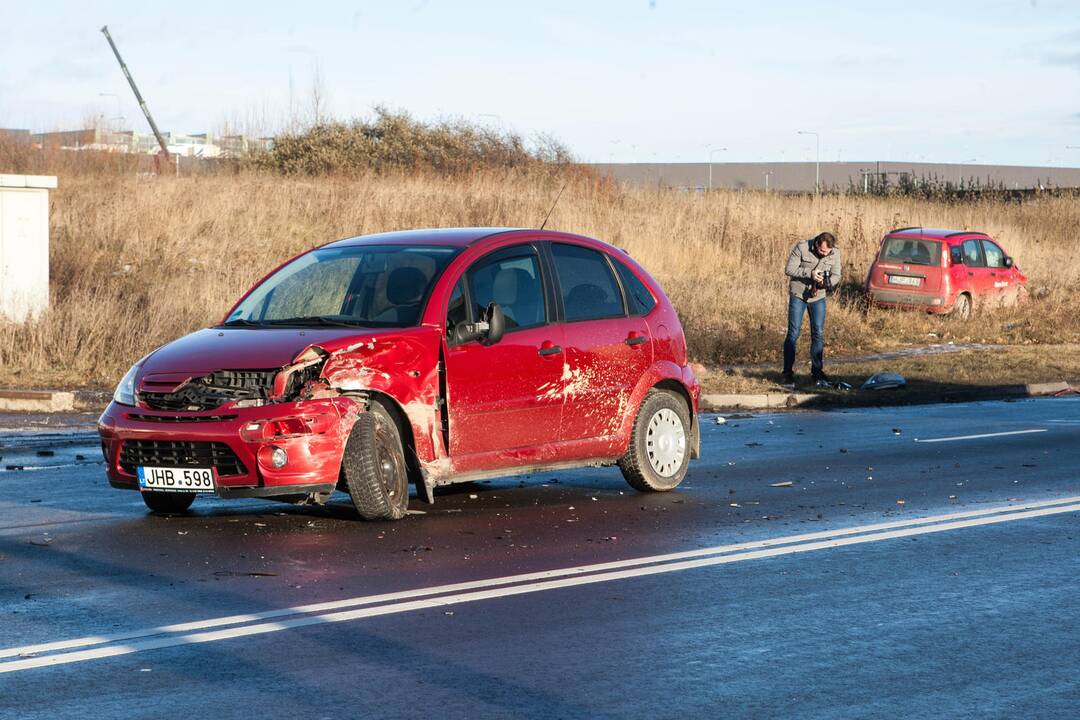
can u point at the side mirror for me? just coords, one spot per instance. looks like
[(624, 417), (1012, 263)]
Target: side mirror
[(490, 328), (1008, 261), (496, 323)]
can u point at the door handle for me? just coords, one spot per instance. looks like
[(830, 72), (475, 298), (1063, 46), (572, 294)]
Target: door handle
[(547, 350), (635, 339)]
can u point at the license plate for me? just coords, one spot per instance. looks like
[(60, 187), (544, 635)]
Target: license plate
[(176, 479), (905, 280)]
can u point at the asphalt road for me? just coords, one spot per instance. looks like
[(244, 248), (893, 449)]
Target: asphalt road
[(885, 581)]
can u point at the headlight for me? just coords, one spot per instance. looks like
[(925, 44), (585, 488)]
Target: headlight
[(125, 391)]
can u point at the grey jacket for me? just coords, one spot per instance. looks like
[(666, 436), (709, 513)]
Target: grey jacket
[(802, 263)]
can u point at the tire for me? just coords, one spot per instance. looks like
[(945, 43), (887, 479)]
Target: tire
[(962, 308), (373, 466), (168, 503), (659, 451)]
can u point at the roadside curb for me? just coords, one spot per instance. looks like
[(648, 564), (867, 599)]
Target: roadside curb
[(39, 440), (37, 400), (782, 401)]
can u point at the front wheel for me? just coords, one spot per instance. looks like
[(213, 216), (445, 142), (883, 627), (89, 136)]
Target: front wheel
[(168, 503), (373, 466), (659, 452)]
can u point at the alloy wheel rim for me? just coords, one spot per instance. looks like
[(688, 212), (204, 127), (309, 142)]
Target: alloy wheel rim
[(665, 442)]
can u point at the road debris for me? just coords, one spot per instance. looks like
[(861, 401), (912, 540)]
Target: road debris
[(885, 380), (720, 420), (786, 483)]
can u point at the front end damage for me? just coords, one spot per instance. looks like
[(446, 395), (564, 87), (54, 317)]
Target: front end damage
[(281, 432)]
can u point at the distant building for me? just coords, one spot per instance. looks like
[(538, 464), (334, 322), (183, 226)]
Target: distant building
[(800, 176), (203, 145), (22, 137)]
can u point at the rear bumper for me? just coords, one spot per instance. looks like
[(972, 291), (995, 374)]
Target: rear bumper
[(930, 302), (314, 459)]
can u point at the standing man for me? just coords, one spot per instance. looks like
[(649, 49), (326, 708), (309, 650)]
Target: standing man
[(814, 271)]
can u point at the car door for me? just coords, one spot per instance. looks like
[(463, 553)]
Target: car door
[(500, 395), (977, 278), (1001, 277), (607, 348)]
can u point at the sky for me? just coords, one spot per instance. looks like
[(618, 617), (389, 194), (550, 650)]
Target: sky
[(996, 81)]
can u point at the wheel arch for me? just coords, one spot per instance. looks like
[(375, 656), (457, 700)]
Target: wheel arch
[(674, 386), (405, 430)]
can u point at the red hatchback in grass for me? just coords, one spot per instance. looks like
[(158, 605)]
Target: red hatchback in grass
[(428, 356), (943, 271)]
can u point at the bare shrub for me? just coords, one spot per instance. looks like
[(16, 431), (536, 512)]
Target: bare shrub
[(395, 142)]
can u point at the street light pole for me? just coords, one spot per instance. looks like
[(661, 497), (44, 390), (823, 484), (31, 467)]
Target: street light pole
[(817, 158), (711, 153)]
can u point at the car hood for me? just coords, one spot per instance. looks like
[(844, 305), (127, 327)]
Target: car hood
[(214, 349)]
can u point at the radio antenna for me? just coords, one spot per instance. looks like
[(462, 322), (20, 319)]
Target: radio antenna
[(544, 224)]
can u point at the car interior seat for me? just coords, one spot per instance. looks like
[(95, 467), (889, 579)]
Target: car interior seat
[(404, 290), (517, 293)]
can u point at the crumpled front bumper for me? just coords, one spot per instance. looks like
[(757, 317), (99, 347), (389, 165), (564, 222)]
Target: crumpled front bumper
[(314, 456)]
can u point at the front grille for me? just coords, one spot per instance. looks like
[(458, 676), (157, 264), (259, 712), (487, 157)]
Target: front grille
[(180, 453), (214, 390), (181, 418)]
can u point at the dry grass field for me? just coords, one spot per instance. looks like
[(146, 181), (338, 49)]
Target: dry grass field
[(139, 260)]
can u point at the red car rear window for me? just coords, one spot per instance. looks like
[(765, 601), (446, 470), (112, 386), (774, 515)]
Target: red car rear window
[(912, 251)]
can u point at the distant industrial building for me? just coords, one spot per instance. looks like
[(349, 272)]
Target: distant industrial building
[(800, 176), (203, 145), (20, 136)]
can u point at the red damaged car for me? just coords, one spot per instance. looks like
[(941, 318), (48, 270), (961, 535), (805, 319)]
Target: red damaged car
[(427, 356), (943, 271)]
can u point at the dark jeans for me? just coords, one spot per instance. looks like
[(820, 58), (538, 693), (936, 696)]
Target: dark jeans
[(795, 309)]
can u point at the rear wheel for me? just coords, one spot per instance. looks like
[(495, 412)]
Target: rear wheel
[(168, 502), (659, 451), (373, 466), (962, 309)]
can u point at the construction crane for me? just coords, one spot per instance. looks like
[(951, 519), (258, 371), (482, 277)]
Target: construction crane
[(138, 96)]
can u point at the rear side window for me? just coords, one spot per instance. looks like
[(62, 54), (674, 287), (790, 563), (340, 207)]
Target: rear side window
[(973, 256), (911, 251), (589, 290), (640, 299), (512, 282), (995, 258)]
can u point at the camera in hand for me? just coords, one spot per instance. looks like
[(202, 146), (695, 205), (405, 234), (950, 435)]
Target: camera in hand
[(814, 285)]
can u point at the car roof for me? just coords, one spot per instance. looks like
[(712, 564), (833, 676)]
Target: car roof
[(453, 237), (934, 233)]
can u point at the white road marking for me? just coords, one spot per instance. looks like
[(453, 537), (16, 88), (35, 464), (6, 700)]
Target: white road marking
[(984, 435), (527, 583), (525, 577)]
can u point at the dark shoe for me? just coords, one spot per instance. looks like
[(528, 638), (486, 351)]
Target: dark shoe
[(788, 378), (820, 376)]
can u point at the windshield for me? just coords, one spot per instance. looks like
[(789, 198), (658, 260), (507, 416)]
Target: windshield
[(357, 285), (911, 251)]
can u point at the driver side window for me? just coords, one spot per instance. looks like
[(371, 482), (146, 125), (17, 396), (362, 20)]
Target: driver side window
[(514, 282)]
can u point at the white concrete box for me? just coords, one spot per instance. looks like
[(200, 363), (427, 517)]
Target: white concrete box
[(24, 245)]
